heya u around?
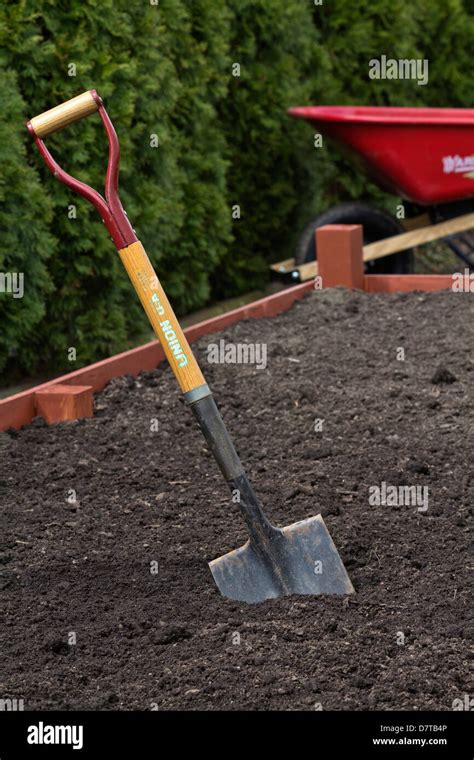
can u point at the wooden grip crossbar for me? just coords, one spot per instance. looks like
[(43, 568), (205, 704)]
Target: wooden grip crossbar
[(64, 114)]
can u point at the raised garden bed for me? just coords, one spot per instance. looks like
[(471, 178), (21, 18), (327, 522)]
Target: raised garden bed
[(169, 640)]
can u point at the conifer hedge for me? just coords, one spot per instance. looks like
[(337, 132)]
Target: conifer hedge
[(167, 73)]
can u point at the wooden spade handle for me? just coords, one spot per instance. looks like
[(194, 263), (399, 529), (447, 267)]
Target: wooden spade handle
[(66, 113), (162, 317)]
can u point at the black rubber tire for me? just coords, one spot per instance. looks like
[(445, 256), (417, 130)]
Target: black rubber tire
[(377, 226)]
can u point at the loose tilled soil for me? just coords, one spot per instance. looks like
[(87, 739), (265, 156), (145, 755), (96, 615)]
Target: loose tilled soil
[(168, 640)]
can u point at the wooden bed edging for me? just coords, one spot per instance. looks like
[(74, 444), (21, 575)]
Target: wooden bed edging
[(19, 410), (397, 283)]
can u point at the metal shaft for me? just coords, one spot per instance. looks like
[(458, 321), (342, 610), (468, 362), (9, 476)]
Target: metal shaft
[(215, 432)]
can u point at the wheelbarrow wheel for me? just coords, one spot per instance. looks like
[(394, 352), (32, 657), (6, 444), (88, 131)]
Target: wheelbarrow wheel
[(377, 226)]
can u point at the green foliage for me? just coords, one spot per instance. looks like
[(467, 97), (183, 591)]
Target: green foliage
[(445, 34), (276, 49), (26, 243), (159, 70), (224, 141)]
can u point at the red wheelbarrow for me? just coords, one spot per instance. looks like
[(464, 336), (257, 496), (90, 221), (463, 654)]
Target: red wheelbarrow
[(423, 155)]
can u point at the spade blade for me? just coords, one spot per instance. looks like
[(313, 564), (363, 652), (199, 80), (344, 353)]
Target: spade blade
[(300, 559)]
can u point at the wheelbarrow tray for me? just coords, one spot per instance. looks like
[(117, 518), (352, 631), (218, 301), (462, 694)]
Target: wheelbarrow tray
[(424, 155)]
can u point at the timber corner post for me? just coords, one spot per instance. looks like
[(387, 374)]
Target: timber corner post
[(340, 256), (60, 402)]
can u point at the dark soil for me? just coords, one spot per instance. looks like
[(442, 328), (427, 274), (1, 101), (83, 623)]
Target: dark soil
[(167, 639)]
